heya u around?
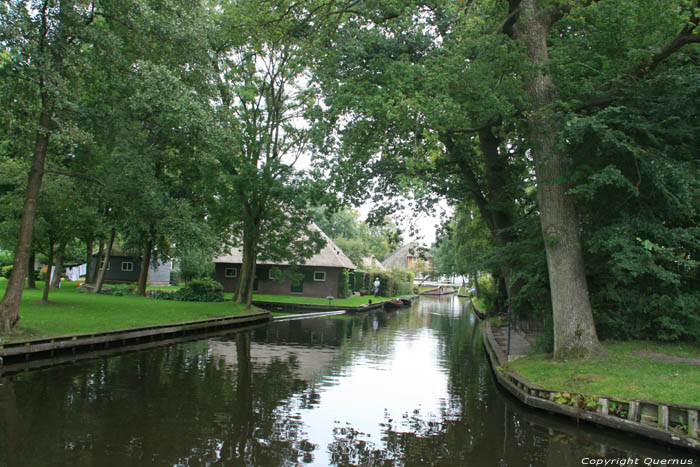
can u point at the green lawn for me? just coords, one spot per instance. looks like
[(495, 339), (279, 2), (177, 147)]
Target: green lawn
[(629, 371), (71, 312), (351, 301)]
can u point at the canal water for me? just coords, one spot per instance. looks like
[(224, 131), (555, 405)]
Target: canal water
[(409, 387)]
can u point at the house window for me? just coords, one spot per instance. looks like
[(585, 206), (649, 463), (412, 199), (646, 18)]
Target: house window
[(319, 276), (102, 263), (127, 266), (230, 272)]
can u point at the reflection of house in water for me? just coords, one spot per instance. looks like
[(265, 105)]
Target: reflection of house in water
[(308, 346)]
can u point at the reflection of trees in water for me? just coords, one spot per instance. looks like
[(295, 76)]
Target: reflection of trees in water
[(185, 404), (167, 406)]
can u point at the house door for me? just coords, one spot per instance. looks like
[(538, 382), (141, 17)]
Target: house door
[(298, 285)]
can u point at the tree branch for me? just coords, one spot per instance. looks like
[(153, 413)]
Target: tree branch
[(74, 175)]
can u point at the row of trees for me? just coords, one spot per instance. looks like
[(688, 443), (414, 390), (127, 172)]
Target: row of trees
[(565, 132), (563, 127), (173, 127)]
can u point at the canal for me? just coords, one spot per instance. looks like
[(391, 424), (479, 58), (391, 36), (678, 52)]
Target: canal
[(408, 387)]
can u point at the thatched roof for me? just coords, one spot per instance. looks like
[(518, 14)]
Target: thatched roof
[(330, 256), (399, 258), (371, 262)]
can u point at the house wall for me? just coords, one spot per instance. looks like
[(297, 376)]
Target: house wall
[(160, 275), (312, 288)]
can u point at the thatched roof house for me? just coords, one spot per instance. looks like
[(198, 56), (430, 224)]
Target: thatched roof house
[(321, 273), (371, 263), (410, 256)]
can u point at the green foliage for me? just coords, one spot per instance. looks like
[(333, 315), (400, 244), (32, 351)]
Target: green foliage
[(121, 290), (175, 278), (488, 291), (544, 342), (358, 278), (6, 258), (358, 240), (391, 283), (5, 271), (344, 284), (617, 409), (204, 289), (638, 189)]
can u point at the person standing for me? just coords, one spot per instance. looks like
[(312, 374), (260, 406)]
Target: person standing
[(376, 286)]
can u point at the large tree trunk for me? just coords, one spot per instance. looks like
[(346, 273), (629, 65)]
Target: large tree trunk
[(88, 260), (244, 294), (56, 279), (94, 272), (101, 274), (47, 283), (9, 307), (31, 273), (145, 265), (574, 329)]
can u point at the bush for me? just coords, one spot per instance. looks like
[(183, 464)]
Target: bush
[(6, 271), (389, 282), (488, 290), (175, 278), (6, 258), (405, 288), (120, 290), (198, 290), (344, 284)]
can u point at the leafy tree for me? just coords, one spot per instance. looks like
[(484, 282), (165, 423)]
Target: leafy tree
[(263, 100), (43, 42)]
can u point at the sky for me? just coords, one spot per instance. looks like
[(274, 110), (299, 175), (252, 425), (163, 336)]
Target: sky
[(426, 225)]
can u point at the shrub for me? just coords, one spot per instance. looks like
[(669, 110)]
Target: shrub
[(344, 284), (175, 278), (6, 271), (405, 288), (198, 290), (120, 290), (6, 258)]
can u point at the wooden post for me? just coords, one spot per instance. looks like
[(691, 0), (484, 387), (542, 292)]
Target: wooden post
[(603, 405), (693, 423), (633, 411), (663, 417)]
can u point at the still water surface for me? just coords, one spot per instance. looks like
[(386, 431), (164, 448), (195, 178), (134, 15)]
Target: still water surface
[(411, 387)]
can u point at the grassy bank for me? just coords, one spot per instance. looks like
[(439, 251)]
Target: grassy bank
[(71, 312), (636, 370), (350, 301)]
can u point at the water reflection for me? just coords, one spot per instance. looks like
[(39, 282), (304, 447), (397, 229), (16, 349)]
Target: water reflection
[(402, 388)]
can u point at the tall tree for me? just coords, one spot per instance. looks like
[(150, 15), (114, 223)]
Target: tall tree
[(263, 101), (43, 39)]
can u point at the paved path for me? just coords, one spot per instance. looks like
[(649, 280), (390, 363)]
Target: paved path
[(519, 341)]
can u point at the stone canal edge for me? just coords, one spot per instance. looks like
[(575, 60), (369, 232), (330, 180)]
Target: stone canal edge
[(670, 423)]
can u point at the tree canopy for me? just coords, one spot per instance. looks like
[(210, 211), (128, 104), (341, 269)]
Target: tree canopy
[(563, 133)]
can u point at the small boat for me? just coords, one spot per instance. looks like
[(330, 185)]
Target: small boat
[(406, 301), (396, 303)]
